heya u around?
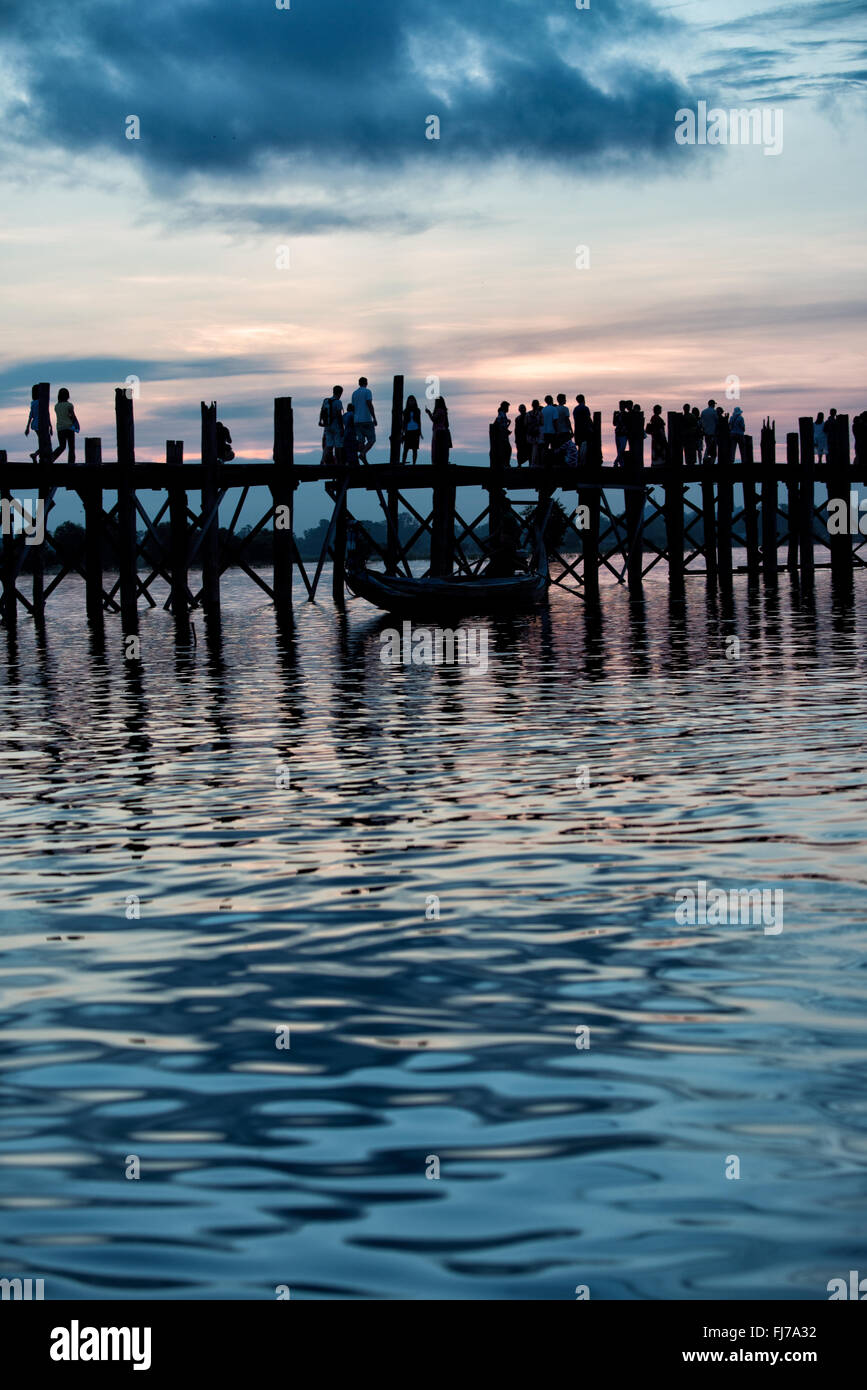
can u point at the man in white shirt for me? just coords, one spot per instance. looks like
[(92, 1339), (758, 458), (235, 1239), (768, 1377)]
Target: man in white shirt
[(708, 425), (550, 417), (365, 417)]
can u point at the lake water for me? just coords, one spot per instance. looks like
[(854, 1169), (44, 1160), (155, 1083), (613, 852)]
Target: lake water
[(210, 845)]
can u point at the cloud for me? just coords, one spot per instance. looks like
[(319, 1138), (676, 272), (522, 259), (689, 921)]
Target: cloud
[(222, 89), (17, 379)]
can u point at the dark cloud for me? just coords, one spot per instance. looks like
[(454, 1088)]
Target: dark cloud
[(285, 218), (16, 380), (337, 88)]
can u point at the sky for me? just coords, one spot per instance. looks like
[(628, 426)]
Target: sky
[(284, 222)]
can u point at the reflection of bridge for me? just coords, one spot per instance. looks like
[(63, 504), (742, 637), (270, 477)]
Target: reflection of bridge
[(595, 536)]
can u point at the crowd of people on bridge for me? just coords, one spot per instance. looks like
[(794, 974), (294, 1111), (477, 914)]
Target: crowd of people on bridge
[(545, 435), (550, 434)]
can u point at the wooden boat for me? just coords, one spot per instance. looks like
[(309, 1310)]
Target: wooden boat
[(454, 595)]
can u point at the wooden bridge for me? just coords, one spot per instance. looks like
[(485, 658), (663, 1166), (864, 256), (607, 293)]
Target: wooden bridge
[(688, 499)]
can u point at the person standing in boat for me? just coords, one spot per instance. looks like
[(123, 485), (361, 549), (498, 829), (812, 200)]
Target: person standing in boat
[(441, 437), (411, 428)]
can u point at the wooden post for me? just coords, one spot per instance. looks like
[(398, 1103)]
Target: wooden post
[(44, 421), (392, 547), (37, 553), (91, 496), (708, 516), (179, 543), (283, 496), (725, 503), (634, 502), (751, 513), (594, 446), (126, 513), (211, 536), (839, 486), (497, 503), (674, 501), (443, 523), (770, 490), (806, 502), (591, 498), (10, 602), (338, 573), (792, 501)]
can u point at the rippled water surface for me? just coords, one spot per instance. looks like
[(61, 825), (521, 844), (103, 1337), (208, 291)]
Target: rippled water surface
[(169, 904)]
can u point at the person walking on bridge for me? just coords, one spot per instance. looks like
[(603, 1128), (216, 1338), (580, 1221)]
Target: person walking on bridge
[(33, 420), (365, 417), (67, 426)]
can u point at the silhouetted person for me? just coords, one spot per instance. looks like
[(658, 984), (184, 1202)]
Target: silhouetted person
[(502, 431), (365, 417), (621, 431), (33, 420), (550, 415), (522, 444), (738, 427), (331, 420), (820, 438), (830, 427), (689, 435), (534, 433), (350, 440), (441, 436), (859, 433), (567, 454), (411, 428), (582, 426), (564, 421), (225, 452), (656, 432), (67, 426), (699, 432), (503, 549), (708, 427)]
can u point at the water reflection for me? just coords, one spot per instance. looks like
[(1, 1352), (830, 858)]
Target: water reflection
[(431, 902)]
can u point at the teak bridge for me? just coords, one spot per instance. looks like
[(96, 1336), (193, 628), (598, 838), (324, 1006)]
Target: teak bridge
[(613, 539)]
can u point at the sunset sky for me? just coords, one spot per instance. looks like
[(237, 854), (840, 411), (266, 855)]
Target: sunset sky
[(455, 258)]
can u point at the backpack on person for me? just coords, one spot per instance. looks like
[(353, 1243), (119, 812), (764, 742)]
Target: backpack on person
[(325, 414)]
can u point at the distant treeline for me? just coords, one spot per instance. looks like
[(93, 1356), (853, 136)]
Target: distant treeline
[(69, 536)]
